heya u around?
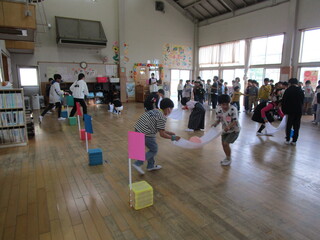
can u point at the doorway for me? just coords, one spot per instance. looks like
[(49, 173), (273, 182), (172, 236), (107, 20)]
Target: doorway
[(176, 75)]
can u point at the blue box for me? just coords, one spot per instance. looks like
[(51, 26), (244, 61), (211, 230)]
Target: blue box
[(95, 156), (64, 114)]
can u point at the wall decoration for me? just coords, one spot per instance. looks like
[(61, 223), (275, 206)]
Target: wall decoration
[(312, 76), (130, 89), (177, 56), (125, 53), (115, 49)]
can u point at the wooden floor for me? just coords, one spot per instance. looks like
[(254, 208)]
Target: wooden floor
[(271, 190)]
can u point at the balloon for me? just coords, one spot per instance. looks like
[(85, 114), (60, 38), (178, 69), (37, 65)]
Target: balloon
[(195, 139)]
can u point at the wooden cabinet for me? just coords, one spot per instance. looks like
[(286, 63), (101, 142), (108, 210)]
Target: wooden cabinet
[(141, 93), (13, 15)]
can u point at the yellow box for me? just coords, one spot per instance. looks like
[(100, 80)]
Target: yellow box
[(142, 194)]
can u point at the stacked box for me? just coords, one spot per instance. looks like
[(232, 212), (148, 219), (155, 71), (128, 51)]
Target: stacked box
[(64, 114), (72, 121), (83, 135), (95, 156), (142, 195)]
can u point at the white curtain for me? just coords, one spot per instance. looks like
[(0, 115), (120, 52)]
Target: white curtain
[(225, 53)]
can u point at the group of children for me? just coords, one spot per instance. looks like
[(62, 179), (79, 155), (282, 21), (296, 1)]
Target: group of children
[(275, 102), (78, 89)]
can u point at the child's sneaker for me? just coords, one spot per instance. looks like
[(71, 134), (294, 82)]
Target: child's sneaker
[(287, 142), (189, 130), (155, 167), (61, 118), (40, 119), (293, 143), (138, 168), (225, 162), (260, 134)]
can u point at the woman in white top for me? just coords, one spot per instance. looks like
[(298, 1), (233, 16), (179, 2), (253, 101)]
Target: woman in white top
[(79, 90), (55, 94), (180, 89)]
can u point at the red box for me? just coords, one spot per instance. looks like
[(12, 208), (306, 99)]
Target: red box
[(102, 79), (83, 135)]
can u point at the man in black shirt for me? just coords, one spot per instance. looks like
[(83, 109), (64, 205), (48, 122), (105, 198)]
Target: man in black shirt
[(292, 102)]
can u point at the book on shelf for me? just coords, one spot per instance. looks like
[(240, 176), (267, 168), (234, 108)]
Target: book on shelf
[(11, 100), (15, 135), (11, 118)]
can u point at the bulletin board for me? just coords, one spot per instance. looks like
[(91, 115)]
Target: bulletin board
[(70, 71)]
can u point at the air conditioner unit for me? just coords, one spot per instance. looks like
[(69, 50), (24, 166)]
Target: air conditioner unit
[(81, 43)]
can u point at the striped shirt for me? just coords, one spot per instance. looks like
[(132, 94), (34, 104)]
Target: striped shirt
[(151, 122)]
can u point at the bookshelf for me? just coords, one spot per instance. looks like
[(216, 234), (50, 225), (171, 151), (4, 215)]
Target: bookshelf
[(13, 130)]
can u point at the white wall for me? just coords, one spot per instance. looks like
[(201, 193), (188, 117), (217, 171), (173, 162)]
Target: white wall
[(46, 47), (308, 16), (267, 21), (147, 30)]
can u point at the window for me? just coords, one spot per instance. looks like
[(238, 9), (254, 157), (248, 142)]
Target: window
[(259, 74), (310, 47), (256, 74), (273, 73), (208, 74), (230, 74), (267, 50), (227, 54), (28, 76)]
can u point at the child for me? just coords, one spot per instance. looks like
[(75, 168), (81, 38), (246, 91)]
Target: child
[(117, 105), (153, 100), (316, 107), (308, 95), (264, 91), (228, 116), (263, 112), (54, 98), (197, 116), (236, 97), (150, 123), (79, 89)]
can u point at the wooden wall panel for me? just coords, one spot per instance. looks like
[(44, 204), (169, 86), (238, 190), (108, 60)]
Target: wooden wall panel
[(13, 15)]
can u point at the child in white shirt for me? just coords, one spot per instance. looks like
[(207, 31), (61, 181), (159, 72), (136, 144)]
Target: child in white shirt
[(228, 116)]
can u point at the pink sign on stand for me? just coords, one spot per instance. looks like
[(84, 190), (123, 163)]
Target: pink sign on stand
[(136, 146)]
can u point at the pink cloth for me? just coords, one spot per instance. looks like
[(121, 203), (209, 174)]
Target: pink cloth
[(269, 107)]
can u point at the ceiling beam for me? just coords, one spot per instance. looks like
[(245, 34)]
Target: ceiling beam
[(206, 10), (242, 11), (193, 4), (213, 7), (228, 4), (202, 16), (181, 10)]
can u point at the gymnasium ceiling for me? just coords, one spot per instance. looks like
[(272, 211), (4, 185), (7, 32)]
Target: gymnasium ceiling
[(202, 10)]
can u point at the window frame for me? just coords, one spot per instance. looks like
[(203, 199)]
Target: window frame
[(300, 63), (19, 76), (267, 64)]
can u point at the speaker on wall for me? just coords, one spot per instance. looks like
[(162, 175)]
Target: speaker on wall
[(160, 6)]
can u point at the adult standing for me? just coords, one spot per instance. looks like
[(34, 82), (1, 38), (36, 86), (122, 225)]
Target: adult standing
[(153, 84), (292, 102), (180, 89), (79, 90)]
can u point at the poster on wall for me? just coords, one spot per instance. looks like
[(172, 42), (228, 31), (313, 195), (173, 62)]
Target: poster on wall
[(312, 76), (130, 89), (177, 56)]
